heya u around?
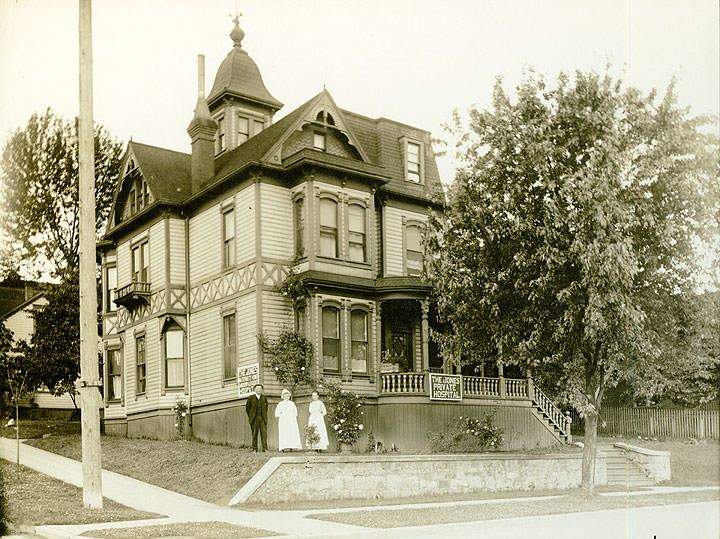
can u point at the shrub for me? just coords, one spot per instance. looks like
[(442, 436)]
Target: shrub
[(181, 412), (345, 414), (467, 435), (288, 356), (3, 504)]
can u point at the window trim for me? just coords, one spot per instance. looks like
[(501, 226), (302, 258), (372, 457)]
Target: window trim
[(325, 229), (221, 134), (420, 225), (227, 263), (338, 310), (224, 316), (322, 136), (170, 325), (361, 204), (140, 336), (110, 306), (406, 142), (239, 134), (117, 348), (299, 247), (140, 244), (360, 309)]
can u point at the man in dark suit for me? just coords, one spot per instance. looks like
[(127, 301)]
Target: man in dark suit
[(256, 408)]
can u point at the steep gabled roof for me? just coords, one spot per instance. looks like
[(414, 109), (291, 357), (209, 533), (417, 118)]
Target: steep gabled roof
[(166, 172)]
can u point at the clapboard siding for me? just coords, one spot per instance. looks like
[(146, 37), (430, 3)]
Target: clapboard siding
[(276, 222), (247, 330), (245, 223), (124, 264), (206, 351), (394, 231), (21, 323), (205, 244), (177, 251), (277, 314), (150, 400), (45, 399), (156, 249)]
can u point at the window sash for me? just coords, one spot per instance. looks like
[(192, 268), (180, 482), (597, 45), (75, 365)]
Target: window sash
[(114, 367), (174, 358), (140, 363), (229, 347), (319, 141), (359, 341), (221, 135), (258, 126), (243, 129), (229, 238), (413, 162), (110, 288), (300, 227), (331, 340)]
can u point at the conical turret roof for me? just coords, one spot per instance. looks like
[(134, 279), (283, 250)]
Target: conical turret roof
[(239, 76)]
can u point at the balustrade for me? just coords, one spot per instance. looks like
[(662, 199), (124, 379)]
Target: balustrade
[(408, 383)]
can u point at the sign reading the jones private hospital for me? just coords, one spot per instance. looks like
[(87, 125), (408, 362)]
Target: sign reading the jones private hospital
[(247, 377), (445, 387)]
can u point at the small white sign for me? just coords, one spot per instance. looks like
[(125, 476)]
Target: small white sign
[(445, 387), (247, 377)]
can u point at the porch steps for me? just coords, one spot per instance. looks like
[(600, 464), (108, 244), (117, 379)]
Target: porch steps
[(549, 424), (550, 415), (621, 470)]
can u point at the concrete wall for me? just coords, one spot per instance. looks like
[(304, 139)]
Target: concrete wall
[(380, 476), (655, 463)]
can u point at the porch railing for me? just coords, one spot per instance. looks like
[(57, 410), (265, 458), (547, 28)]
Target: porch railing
[(552, 412), (481, 387), (409, 383)]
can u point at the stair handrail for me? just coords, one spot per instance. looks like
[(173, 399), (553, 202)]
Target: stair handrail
[(554, 414)]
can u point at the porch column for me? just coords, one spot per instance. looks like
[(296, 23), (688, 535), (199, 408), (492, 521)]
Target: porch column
[(425, 334), (378, 344), (501, 381), (530, 386)]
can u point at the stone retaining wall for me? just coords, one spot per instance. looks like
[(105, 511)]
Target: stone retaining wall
[(338, 477)]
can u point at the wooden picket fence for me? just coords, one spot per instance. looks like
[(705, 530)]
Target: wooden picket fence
[(654, 422)]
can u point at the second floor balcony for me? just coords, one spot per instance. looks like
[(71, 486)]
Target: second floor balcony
[(133, 294)]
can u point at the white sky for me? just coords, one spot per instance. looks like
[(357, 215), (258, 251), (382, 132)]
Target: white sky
[(410, 60)]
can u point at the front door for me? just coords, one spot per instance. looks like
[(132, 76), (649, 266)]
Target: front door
[(400, 347)]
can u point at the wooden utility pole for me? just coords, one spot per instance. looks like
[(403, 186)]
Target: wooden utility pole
[(89, 383)]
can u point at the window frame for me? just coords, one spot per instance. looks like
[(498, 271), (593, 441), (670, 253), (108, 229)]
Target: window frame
[(350, 231), (420, 226), (299, 225), (229, 360), (317, 135), (407, 143), (144, 259), (337, 339), (173, 327), (140, 338), (328, 231), (111, 375), (246, 134), (221, 135), (366, 341), (229, 246), (110, 306)]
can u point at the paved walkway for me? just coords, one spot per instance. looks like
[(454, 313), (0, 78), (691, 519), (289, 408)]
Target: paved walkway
[(293, 524)]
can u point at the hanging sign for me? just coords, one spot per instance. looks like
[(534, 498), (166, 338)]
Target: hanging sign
[(445, 387), (247, 377)]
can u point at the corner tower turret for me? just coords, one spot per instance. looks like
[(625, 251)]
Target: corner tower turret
[(239, 101)]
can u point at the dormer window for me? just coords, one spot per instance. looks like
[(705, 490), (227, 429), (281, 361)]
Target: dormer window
[(221, 140), (413, 164), (258, 126), (319, 142)]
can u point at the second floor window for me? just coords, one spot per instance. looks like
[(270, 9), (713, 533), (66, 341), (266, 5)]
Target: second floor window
[(140, 260), (110, 288), (114, 375), (299, 210), (359, 340), (331, 338), (229, 347), (328, 228), (413, 250), (228, 238), (356, 233), (140, 362)]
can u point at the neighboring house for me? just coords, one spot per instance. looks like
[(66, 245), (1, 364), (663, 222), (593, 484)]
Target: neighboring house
[(198, 244), (20, 321)]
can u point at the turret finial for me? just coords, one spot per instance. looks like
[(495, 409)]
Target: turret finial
[(237, 33)]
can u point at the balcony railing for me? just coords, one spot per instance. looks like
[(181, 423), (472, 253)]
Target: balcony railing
[(133, 293)]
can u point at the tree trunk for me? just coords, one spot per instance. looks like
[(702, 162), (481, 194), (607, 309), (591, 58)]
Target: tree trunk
[(589, 451), (17, 435)]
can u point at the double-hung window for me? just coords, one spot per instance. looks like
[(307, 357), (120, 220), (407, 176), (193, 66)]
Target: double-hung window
[(174, 356), (299, 210), (229, 347), (356, 233), (114, 374), (228, 237), (140, 259), (331, 338), (110, 288), (359, 340), (413, 250), (220, 141), (413, 162), (243, 132), (140, 378), (328, 228)]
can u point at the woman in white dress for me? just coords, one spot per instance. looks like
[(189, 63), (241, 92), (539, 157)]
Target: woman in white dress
[(288, 432), (317, 419)]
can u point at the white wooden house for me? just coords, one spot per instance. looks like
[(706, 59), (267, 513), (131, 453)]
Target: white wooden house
[(198, 244)]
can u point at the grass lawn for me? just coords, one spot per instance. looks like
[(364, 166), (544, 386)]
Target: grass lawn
[(206, 530), (213, 473), (35, 499), (573, 503), (36, 428)]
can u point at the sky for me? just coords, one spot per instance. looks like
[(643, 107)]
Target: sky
[(414, 61)]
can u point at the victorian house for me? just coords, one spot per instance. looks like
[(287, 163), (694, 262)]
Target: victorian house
[(199, 243)]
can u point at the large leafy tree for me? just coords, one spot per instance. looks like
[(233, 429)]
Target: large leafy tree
[(40, 193), (570, 233)]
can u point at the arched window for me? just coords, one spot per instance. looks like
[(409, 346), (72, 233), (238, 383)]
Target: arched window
[(413, 250), (328, 228), (331, 338), (356, 236), (359, 340)]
